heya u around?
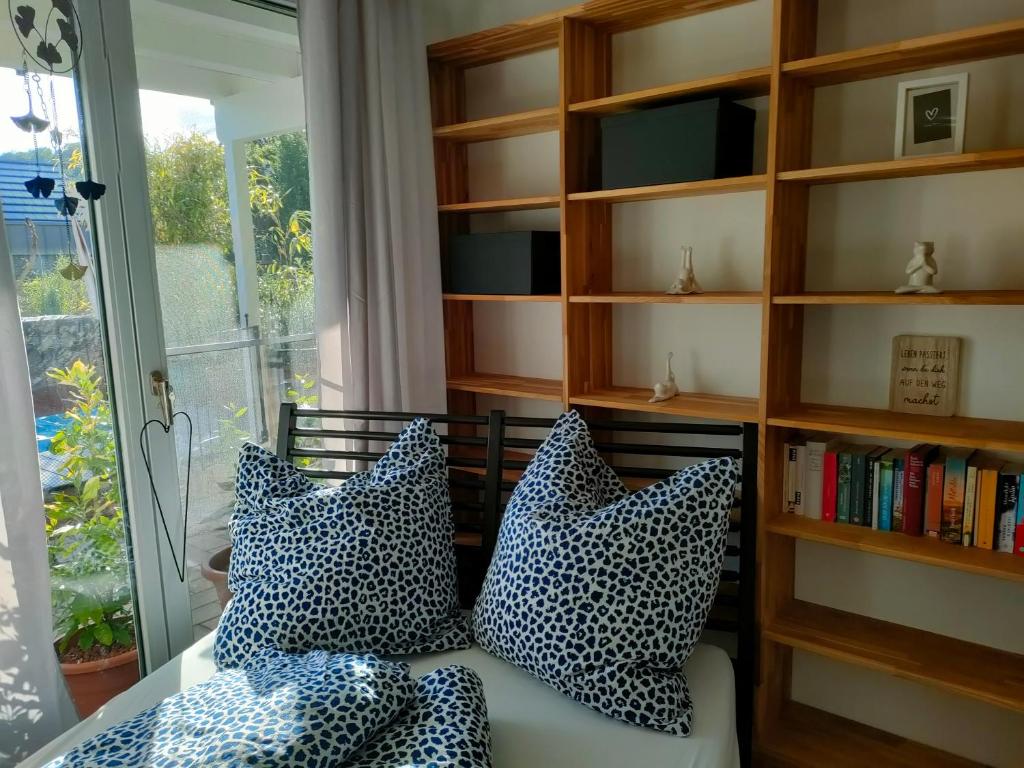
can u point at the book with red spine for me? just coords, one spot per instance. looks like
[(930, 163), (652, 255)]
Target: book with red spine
[(830, 481), (933, 497), (914, 481)]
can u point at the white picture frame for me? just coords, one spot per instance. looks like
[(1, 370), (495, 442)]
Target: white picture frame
[(957, 117)]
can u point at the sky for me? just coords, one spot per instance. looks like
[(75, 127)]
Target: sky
[(163, 114)]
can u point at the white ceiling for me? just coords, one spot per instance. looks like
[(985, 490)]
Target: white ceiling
[(204, 48)]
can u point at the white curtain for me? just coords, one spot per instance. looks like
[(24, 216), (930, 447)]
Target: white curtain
[(34, 703), (375, 243)]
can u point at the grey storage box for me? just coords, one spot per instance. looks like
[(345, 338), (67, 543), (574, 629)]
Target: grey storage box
[(696, 140), (525, 263)]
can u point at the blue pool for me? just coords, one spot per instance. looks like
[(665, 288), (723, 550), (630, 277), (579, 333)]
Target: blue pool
[(49, 465)]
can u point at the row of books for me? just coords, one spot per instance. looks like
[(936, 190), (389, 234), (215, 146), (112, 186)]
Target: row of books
[(956, 494)]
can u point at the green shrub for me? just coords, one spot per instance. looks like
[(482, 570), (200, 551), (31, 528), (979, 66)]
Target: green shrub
[(90, 585), (53, 294)]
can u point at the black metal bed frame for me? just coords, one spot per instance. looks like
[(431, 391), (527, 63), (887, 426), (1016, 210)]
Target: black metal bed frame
[(483, 472)]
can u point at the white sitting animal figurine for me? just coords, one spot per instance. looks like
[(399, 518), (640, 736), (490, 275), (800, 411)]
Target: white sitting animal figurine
[(686, 283), (667, 389), (922, 270)]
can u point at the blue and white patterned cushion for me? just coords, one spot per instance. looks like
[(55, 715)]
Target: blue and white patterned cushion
[(445, 724), (600, 593), (277, 710), (364, 567)]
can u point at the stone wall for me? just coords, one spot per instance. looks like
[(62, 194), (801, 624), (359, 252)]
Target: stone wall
[(56, 341)]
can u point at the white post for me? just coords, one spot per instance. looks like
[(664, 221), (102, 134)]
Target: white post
[(242, 236)]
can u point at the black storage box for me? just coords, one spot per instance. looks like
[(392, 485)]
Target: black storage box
[(505, 262), (706, 139)]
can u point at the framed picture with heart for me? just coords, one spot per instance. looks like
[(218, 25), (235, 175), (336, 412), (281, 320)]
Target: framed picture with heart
[(930, 116)]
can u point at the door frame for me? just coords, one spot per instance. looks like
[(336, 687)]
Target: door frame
[(126, 259)]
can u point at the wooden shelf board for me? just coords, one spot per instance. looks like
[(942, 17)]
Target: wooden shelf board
[(507, 41), (541, 32), (468, 539), (970, 44), (679, 189), (908, 167), (985, 297), (806, 737), (507, 385), (517, 297), (495, 206), (966, 669), (991, 434), (716, 407), (749, 82), (918, 549), (659, 297), (502, 127)]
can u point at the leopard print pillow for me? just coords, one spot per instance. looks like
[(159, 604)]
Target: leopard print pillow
[(600, 593), (364, 567)]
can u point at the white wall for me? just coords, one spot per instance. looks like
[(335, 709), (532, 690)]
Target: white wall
[(860, 237)]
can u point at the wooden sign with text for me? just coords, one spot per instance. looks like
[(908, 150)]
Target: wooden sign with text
[(925, 375)]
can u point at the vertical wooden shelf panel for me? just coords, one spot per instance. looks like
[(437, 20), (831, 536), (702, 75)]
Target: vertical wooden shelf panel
[(584, 74), (794, 28)]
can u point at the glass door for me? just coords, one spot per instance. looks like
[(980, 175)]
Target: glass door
[(194, 268), (48, 232), (223, 120)]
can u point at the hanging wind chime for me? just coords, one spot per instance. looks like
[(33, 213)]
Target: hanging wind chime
[(50, 37)]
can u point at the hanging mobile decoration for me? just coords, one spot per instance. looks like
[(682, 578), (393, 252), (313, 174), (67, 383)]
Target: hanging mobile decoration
[(50, 36)]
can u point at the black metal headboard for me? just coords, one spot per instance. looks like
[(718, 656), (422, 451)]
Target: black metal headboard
[(487, 454)]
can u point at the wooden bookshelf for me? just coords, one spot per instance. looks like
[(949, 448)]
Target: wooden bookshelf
[(656, 297), (681, 189), (509, 386), (805, 737), (952, 298), (503, 127), (972, 44), (718, 407), (737, 85), (497, 206), (908, 167), (503, 297), (967, 669), (917, 549), (786, 733), (989, 434)]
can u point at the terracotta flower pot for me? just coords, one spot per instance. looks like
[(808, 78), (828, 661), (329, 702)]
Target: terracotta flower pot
[(93, 683), (215, 570)]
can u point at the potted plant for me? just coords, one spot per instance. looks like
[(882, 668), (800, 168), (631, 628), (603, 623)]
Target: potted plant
[(90, 584)]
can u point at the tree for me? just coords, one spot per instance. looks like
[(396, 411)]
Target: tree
[(188, 192), (279, 195)]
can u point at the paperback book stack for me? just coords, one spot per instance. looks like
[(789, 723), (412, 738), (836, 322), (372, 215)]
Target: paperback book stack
[(955, 494)]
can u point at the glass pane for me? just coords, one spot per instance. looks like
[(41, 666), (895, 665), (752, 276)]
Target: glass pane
[(60, 302), (229, 191)]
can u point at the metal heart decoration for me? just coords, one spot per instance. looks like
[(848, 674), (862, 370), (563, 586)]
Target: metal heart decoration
[(39, 186), (90, 190), (66, 206)]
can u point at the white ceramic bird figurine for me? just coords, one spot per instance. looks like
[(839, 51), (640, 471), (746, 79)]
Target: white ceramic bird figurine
[(667, 389), (686, 283)]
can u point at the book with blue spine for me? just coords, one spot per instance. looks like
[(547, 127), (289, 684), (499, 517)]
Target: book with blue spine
[(885, 490)]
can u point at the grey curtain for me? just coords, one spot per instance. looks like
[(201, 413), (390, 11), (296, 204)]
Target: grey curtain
[(375, 243), (34, 703)]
